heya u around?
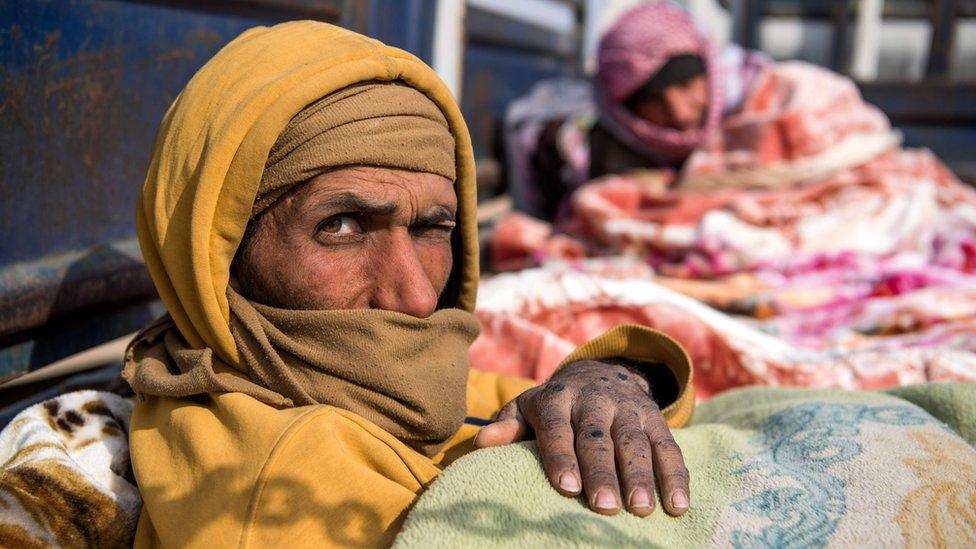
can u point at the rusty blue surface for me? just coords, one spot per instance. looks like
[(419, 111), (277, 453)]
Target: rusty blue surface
[(59, 284), (405, 24), (73, 333), (503, 59), (493, 77), (83, 86)]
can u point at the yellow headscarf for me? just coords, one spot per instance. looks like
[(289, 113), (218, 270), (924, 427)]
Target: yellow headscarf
[(190, 218)]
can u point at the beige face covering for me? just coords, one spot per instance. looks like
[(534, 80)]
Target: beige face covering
[(405, 374)]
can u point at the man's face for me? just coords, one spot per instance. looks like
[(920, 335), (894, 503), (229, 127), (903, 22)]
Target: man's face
[(682, 107), (353, 238)]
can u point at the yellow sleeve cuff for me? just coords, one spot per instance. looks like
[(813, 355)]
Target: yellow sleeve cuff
[(644, 344)]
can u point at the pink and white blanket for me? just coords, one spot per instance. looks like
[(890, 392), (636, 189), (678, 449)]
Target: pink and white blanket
[(865, 278), (533, 318)]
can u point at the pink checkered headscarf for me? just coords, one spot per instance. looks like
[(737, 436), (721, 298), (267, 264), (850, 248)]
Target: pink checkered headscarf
[(631, 51)]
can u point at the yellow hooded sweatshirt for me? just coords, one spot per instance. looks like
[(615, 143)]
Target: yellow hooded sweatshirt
[(225, 470)]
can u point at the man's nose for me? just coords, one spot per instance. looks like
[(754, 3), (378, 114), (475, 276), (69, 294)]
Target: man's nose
[(402, 283)]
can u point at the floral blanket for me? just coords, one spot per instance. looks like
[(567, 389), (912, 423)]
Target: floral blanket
[(533, 318), (861, 278)]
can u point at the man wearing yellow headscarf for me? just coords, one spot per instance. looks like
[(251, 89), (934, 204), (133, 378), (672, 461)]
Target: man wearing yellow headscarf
[(309, 221)]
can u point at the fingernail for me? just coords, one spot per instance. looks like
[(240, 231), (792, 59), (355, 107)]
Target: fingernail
[(679, 499), (568, 482), (640, 499), (605, 500)]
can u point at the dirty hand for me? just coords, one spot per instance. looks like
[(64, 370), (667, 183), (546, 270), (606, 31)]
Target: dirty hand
[(598, 428)]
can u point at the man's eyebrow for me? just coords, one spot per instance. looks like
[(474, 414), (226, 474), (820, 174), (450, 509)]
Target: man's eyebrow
[(438, 214), (353, 202)]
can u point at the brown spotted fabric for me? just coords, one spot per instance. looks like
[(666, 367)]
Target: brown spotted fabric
[(65, 478)]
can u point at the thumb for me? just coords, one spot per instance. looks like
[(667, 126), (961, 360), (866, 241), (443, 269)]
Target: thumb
[(508, 427)]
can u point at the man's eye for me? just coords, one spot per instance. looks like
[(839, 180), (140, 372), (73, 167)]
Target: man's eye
[(340, 225)]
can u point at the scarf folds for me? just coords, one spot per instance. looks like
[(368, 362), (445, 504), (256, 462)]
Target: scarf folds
[(407, 375), (631, 52)]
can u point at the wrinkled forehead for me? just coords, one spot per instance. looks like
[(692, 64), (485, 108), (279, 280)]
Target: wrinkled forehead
[(377, 124), (373, 190)]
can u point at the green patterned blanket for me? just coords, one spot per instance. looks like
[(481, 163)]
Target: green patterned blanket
[(769, 468)]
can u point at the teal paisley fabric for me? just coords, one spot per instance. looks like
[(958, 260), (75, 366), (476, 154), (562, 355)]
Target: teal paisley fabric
[(803, 444), (769, 468)]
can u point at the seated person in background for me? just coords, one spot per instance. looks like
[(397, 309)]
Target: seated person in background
[(309, 221), (660, 93), (661, 90), (667, 109)]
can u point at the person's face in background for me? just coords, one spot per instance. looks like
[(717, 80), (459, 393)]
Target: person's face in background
[(680, 106)]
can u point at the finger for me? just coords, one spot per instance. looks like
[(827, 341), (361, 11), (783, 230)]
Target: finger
[(669, 465), (507, 428), (553, 426), (633, 450), (594, 451)]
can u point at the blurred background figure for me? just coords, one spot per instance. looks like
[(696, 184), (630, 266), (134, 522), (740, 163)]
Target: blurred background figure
[(668, 76), (662, 90)]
